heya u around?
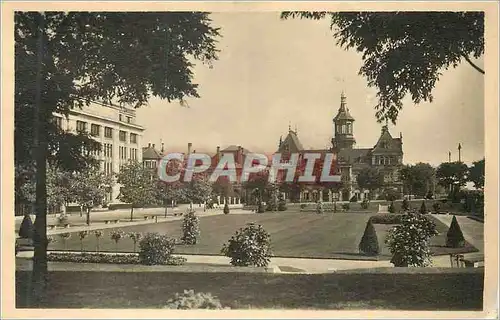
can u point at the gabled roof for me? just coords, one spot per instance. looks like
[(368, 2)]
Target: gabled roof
[(387, 144), (150, 153), (352, 155), (293, 143), (235, 148)]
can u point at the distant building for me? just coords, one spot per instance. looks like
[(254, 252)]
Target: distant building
[(386, 154), (115, 128)]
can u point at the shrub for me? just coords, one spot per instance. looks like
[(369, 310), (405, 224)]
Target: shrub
[(353, 199), (429, 195), (191, 300), (190, 228), (281, 204), (346, 206), (319, 208), (391, 208), (386, 219), (65, 236), (116, 236), (136, 237), (87, 257), (249, 246), (423, 208), (26, 229), (260, 208), (226, 208), (436, 207), (155, 249), (303, 205), (82, 235), (62, 219), (454, 236), (364, 204), (369, 241), (405, 205), (98, 235), (409, 241), (271, 204)]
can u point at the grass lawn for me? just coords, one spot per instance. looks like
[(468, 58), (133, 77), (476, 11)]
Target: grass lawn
[(293, 234), (408, 291)]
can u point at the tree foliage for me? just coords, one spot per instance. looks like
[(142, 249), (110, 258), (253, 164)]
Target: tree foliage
[(476, 174), (452, 174), (370, 178), (418, 179), (369, 241), (405, 53), (249, 246), (454, 236)]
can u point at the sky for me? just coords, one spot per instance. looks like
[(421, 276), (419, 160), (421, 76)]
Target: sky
[(272, 73)]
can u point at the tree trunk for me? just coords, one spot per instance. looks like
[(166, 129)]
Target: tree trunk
[(81, 211), (88, 216), (132, 213), (165, 203), (39, 273)]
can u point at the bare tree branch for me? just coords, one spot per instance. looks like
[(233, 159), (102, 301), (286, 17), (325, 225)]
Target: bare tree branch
[(472, 64)]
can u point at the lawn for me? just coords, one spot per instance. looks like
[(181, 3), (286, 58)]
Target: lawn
[(459, 290), (293, 234)]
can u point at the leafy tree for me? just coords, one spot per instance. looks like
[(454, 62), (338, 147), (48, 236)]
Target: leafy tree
[(454, 236), (476, 174), (404, 53), (137, 187), (136, 237), (82, 235), (199, 189), (409, 241), (369, 241), (69, 59), (418, 179), (452, 175), (370, 179), (170, 192), (89, 188)]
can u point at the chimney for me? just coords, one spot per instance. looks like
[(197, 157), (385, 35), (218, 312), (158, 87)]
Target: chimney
[(189, 147), (194, 151), (153, 145), (162, 147), (149, 145)]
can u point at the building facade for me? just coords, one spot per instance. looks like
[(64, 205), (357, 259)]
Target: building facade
[(115, 128)]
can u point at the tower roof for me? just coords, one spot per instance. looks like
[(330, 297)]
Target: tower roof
[(343, 113)]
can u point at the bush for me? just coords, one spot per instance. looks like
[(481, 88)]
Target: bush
[(346, 206), (436, 207), (391, 208), (106, 258), (155, 249), (409, 241), (429, 195), (391, 194), (353, 199), (190, 228), (319, 208), (249, 246), (281, 204), (386, 219), (455, 237), (271, 204), (303, 205), (191, 300), (62, 220), (405, 205), (369, 241), (226, 208), (423, 208), (26, 229), (364, 204), (260, 208)]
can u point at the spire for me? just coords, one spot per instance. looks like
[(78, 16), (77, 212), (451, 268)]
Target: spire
[(281, 141), (343, 101), (289, 126), (343, 113)]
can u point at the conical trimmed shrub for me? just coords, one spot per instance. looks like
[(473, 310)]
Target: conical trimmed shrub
[(423, 208), (405, 206), (455, 237), (369, 241), (26, 229), (226, 209), (391, 208)]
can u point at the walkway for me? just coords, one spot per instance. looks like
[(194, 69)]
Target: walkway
[(472, 230)]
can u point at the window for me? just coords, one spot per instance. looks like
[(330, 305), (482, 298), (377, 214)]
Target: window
[(58, 122), (133, 138), (108, 132), (129, 119), (108, 150), (95, 130), (81, 126), (121, 117), (123, 136)]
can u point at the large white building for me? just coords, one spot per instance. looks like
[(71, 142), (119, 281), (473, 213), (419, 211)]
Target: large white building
[(115, 128)]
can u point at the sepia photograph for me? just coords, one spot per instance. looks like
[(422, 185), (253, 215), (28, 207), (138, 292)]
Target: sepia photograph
[(244, 157)]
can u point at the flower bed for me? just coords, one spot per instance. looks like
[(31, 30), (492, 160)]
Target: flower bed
[(386, 219), (106, 258)]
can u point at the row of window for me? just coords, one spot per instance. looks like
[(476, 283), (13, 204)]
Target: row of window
[(383, 160), (108, 168), (95, 130), (345, 128)]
